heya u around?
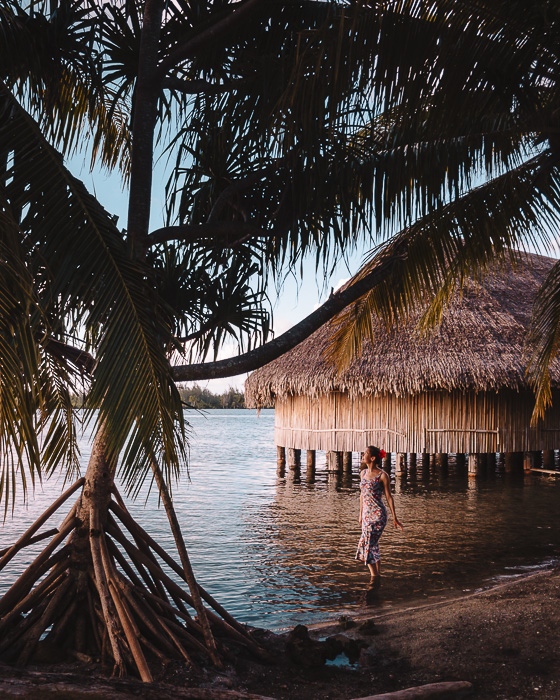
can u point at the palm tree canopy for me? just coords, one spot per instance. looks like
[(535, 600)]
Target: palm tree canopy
[(291, 129)]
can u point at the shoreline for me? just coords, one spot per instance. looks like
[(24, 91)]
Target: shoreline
[(399, 607), (504, 640)]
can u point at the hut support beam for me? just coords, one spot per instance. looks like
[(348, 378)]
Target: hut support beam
[(475, 464), (347, 462), (400, 464), (294, 458), (280, 460), (311, 464), (334, 461), (387, 463), (528, 462)]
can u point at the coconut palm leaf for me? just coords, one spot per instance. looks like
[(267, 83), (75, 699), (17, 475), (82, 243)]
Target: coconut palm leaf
[(83, 277), (50, 58), (434, 256)]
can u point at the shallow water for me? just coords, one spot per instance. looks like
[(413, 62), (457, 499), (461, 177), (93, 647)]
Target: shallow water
[(275, 551)]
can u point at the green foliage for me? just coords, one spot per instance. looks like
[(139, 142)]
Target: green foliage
[(199, 397)]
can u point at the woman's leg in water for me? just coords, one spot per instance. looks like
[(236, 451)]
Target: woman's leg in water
[(375, 569)]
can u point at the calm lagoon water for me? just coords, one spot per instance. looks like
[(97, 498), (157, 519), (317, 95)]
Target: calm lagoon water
[(278, 551)]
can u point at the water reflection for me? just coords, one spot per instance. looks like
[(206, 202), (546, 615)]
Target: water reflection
[(280, 550)]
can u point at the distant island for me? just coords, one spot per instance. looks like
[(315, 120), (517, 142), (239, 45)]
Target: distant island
[(197, 397)]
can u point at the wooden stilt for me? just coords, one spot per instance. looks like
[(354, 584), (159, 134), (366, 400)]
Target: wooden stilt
[(280, 461), (474, 464), (347, 462), (311, 463), (294, 458), (387, 463), (400, 464), (334, 462), (412, 458), (442, 463), (528, 461)]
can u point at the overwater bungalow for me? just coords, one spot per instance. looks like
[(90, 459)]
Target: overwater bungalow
[(462, 389)]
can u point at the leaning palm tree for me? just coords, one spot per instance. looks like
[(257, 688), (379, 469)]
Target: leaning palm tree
[(258, 134), (295, 128)]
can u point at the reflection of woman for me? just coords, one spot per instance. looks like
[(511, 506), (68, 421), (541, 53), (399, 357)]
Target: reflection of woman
[(374, 482)]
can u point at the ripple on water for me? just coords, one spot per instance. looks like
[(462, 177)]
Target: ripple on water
[(275, 552)]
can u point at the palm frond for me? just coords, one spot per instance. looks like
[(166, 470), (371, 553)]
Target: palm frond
[(85, 277)]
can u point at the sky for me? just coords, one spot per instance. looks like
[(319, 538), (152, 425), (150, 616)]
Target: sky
[(298, 298)]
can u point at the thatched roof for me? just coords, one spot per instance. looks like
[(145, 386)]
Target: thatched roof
[(479, 346)]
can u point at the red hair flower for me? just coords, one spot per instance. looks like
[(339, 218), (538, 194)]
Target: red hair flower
[(382, 454)]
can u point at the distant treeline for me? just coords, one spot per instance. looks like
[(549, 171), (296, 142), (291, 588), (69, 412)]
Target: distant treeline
[(197, 397)]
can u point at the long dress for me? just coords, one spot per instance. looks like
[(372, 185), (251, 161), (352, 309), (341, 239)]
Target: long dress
[(374, 519)]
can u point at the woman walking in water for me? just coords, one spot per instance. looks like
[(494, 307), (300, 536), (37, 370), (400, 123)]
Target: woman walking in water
[(374, 482)]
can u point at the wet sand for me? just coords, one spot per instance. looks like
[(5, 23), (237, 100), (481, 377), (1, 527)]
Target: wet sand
[(504, 640)]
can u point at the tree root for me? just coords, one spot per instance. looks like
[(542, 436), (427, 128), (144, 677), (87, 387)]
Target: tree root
[(100, 592)]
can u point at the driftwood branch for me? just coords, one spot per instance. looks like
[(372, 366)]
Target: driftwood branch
[(431, 691)]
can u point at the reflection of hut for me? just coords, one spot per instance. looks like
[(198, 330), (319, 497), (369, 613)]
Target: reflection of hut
[(460, 390)]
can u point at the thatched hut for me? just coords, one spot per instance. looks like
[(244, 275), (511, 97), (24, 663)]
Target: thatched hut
[(462, 389)]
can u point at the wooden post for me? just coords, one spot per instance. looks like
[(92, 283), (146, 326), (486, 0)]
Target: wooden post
[(474, 464), (528, 461), (311, 463), (280, 460), (386, 465), (334, 461), (442, 462), (425, 465), (548, 459), (412, 459), (400, 464), (294, 458), (491, 462), (460, 460), (347, 462)]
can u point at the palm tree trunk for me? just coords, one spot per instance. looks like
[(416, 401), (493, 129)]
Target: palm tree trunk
[(98, 590)]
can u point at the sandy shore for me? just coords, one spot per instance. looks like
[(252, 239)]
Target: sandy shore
[(504, 640)]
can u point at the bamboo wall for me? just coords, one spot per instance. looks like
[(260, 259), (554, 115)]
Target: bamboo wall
[(433, 422)]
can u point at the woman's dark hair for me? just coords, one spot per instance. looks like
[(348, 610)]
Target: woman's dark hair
[(375, 452)]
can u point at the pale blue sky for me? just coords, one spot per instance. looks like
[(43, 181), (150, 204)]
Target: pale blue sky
[(297, 299)]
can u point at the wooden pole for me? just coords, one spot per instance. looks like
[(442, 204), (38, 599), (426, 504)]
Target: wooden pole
[(347, 462), (548, 459), (334, 462), (400, 464), (311, 464), (294, 458), (473, 464), (387, 463), (442, 462), (528, 461)]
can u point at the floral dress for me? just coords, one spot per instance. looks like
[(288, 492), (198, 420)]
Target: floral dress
[(374, 519)]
